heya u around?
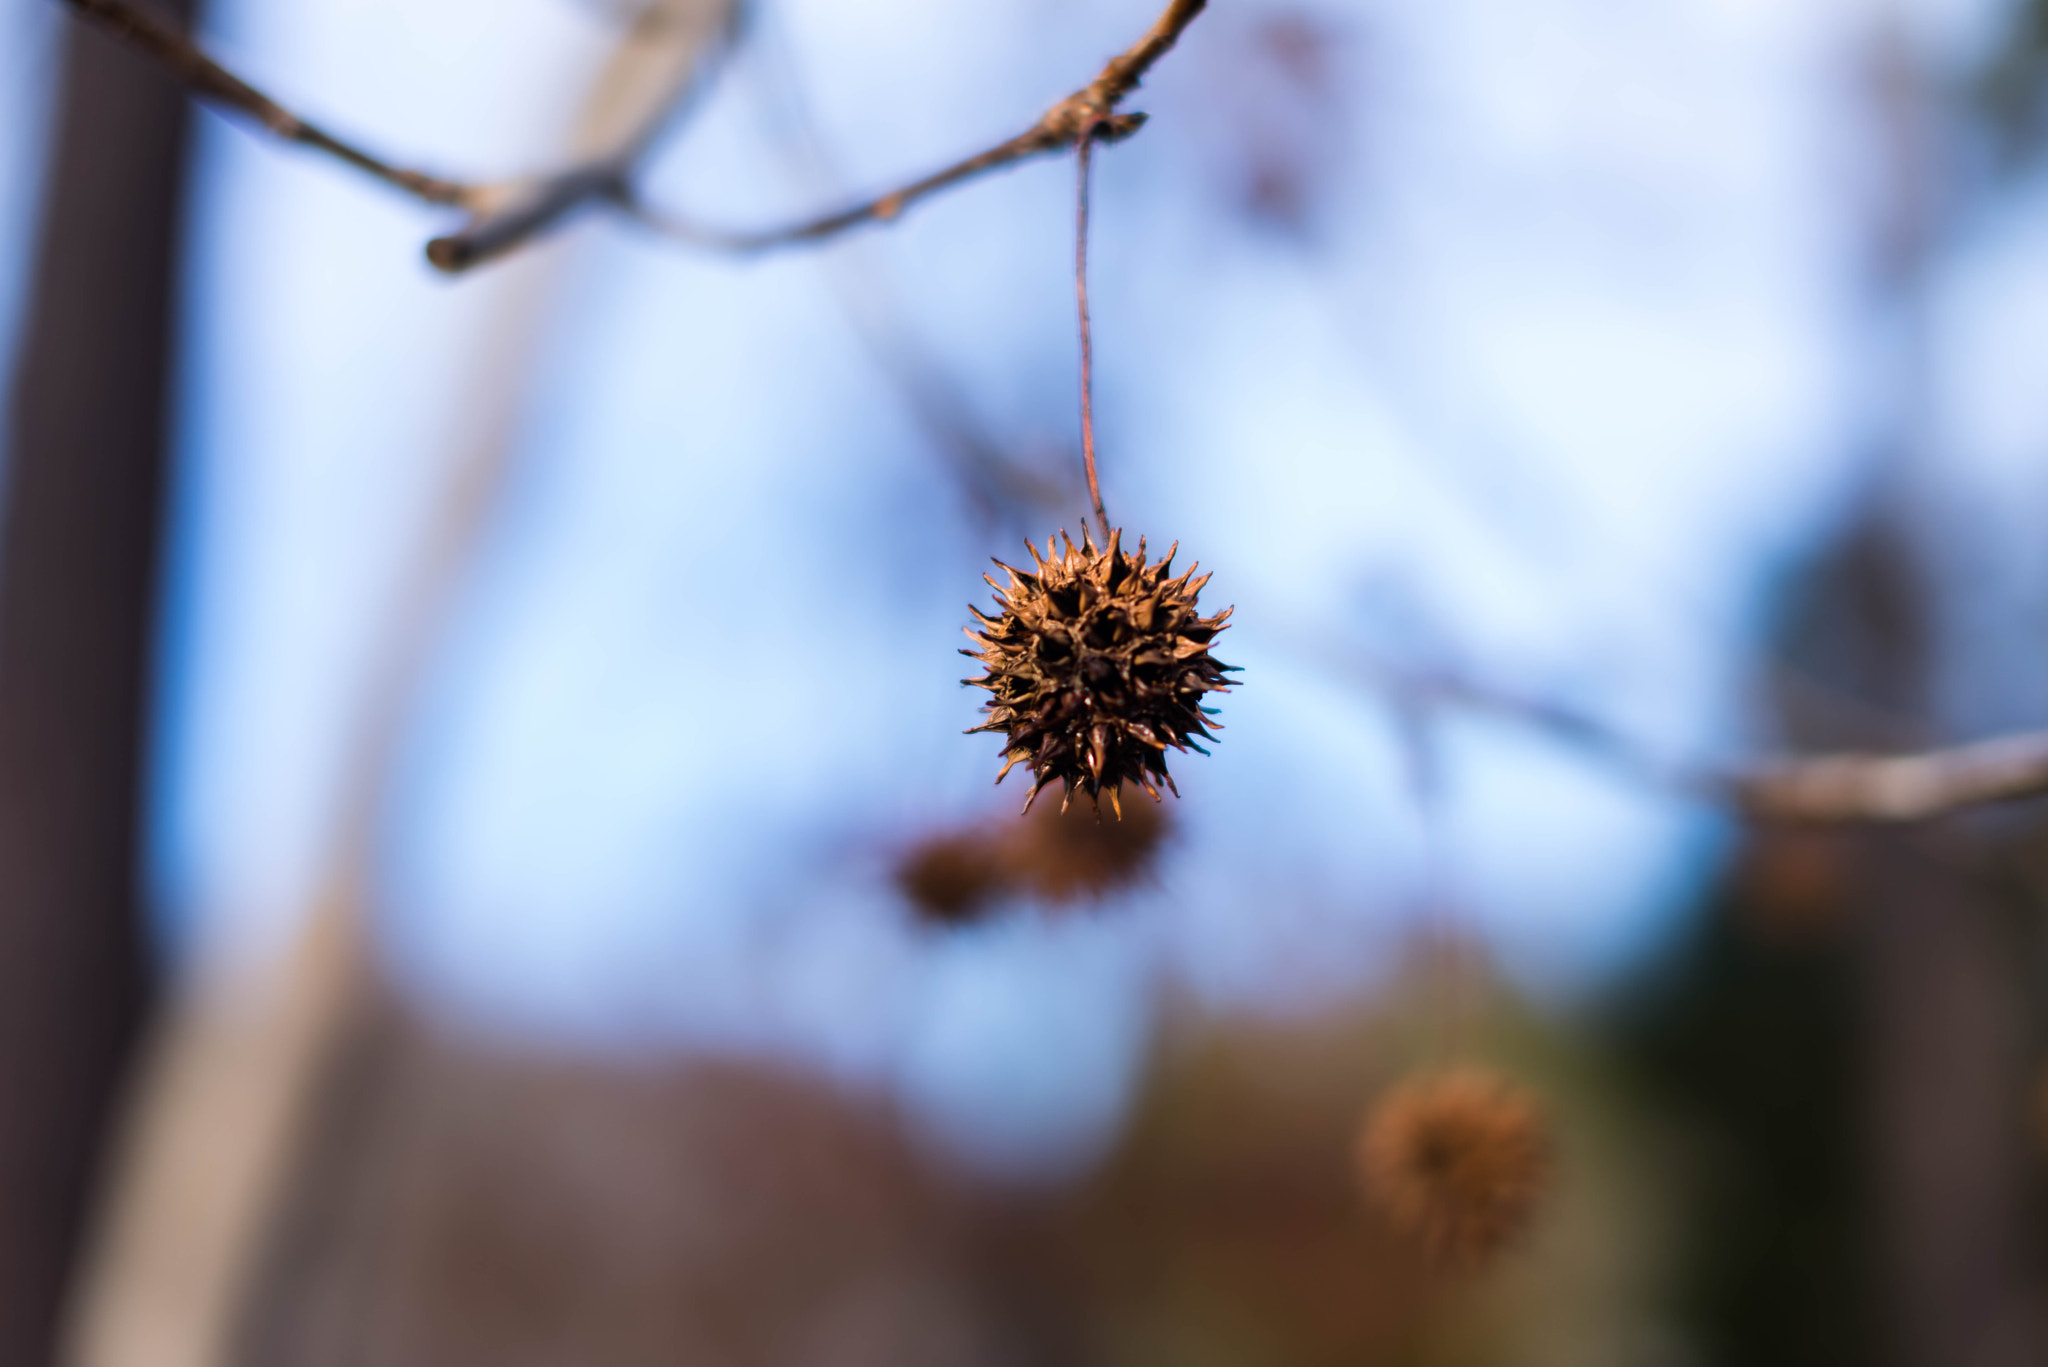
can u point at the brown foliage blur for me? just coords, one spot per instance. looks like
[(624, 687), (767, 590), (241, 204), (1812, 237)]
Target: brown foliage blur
[(473, 1203)]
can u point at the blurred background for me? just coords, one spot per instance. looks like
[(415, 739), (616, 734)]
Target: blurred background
[(490, 870)]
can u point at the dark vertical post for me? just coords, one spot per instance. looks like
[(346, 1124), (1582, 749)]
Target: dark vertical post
[(1943, 985), (1944, 1006), (85, 466)]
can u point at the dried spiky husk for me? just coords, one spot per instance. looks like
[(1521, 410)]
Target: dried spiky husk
[(1460, 1160), (1097, 665)]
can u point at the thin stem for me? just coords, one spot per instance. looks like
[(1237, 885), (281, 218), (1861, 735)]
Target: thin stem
[(1083, 162), (1445, 1009)]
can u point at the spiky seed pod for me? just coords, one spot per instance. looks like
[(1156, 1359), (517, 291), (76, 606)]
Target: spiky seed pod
[(1072, 853), (1460, 1160), (952, 879), (1097, 664)]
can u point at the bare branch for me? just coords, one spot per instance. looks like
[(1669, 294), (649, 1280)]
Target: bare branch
[(1122, 75), (640, 90), (1088, 113), (1843, 789), (882, 209), (1898, 788), (1420, 690), (209, 80), (508, 217), (631, 100)]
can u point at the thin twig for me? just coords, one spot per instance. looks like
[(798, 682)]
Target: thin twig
[(1123, 73), (520, 214), (209, 80), (1087, 115), (883, 209), (1898, 788), (1841, 789), (658, 65), (650, 78), (1004, 492), (1081, 169), (1426, 690)]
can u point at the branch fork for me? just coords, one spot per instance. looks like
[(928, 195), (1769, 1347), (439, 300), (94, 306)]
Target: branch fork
[(658, 63)]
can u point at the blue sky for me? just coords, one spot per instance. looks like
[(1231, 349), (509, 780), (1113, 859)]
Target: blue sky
[(1570, 371)]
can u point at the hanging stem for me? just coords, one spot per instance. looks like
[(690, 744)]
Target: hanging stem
[(1082, 164), (1448, 1013)]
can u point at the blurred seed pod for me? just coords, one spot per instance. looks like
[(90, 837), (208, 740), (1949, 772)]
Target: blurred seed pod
[(1085, 850), (1059, 855), (954, 879), (1459, 1160), (1794, 884)]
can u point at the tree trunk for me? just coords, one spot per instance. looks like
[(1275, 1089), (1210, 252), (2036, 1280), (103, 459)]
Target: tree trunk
[(1945, 1032), (86, 458)]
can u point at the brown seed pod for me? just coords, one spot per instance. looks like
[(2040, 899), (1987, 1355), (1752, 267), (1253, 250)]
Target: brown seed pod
[(952, 878), (1459, 1160), (1097, 664), (1059, 854), (1069, 853)]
